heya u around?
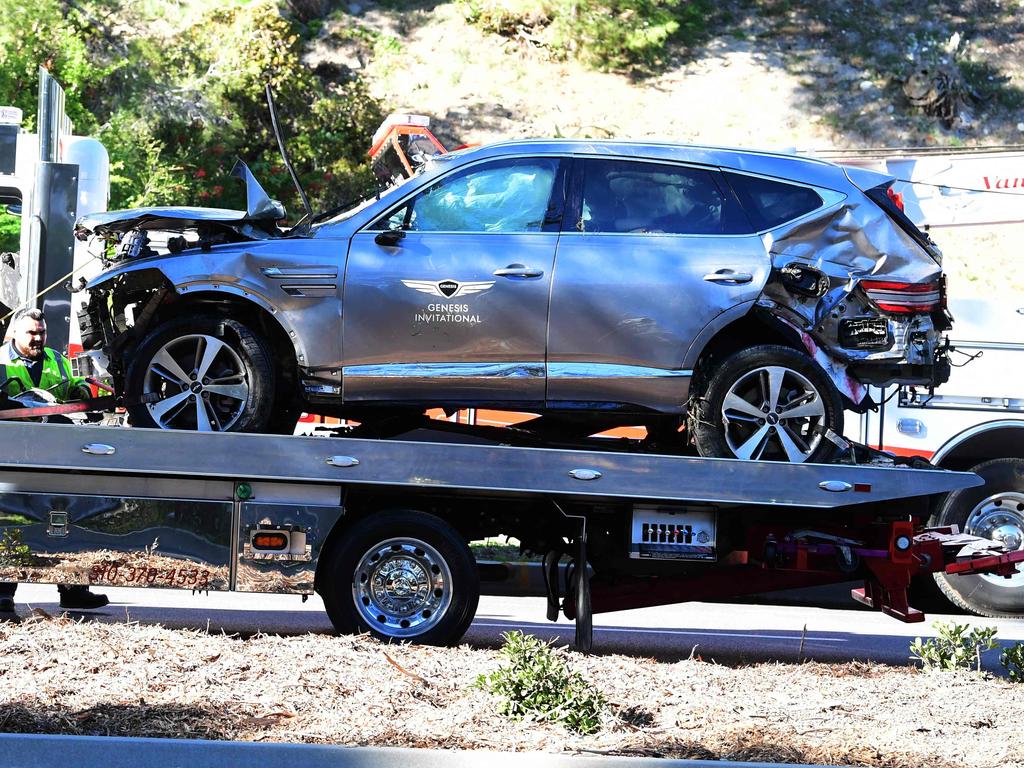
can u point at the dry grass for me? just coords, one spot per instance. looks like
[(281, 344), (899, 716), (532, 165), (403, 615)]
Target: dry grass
[(59, 676)]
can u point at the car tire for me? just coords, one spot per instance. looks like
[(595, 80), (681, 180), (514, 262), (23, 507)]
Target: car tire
[(403, 576), (214, 362), (735, 417), (995, 508)]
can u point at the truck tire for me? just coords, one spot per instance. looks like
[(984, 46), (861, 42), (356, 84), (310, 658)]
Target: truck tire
[(401, 575), (207, 373), (994, 510), (743, 410)]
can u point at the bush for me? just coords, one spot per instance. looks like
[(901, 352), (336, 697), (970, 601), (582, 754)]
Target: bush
[(38, 33), (606, 34), (1012, 660), (955, 647), (536, 683)]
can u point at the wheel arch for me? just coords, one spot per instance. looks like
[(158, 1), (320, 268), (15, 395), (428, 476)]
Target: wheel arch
[(735, 329), (999, 439), (248, 309)]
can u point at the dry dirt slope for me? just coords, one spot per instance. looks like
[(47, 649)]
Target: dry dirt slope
[(57, 676)]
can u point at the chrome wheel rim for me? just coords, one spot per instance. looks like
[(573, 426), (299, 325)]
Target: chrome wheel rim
[(402, 587), (773, 413), (200, 383), (1000, 518)]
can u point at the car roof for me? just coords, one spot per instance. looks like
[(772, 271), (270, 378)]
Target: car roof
[(800, 168)]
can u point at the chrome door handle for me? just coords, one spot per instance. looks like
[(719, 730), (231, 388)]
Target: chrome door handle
[(518, 270), (729, 277)]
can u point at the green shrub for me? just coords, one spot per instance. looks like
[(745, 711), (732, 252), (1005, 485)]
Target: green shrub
[(1012, 660), (13, 551), (605, 34), (10, 233), (39, 33), (955, 647), (536, 683)]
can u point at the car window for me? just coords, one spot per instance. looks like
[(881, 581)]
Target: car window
[(769, 202), (502, 196), (625, 196)]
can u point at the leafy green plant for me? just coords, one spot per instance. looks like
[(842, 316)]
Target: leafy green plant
[(535, 682), (605, 34), (955, 647), (13, 551), (1012, 659), (10, 232)]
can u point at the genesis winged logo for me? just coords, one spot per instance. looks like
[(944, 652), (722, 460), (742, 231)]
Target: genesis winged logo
[(447, 289)]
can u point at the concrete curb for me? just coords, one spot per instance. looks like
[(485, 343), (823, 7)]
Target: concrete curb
[(46, 751)]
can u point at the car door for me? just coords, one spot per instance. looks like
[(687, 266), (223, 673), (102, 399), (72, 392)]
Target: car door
[(655, 253), (446, 295)]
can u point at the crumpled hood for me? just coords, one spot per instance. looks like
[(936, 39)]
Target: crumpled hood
[(155, 217), (258, 221)]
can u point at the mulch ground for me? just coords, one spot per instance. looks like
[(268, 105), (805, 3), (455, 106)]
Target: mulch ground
[(66, 677)]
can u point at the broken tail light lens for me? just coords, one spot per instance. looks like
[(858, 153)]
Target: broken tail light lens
[(896, 197), (904, 298)]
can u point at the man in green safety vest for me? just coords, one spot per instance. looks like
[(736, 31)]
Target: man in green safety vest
[(27, 363)]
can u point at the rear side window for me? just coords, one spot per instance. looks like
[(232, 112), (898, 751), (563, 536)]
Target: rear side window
[(621, 196), (770, 203)]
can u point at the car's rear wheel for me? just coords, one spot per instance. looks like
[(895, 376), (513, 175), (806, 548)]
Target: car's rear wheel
[(769, 403), (202, 373), (994, 511)]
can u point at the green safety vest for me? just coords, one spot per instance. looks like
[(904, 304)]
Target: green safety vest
[(56, 377)]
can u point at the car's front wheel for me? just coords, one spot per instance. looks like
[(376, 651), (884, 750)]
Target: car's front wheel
[(203, 373), (770, 403)]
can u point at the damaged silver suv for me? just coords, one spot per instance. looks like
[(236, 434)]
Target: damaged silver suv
[(737, 301)]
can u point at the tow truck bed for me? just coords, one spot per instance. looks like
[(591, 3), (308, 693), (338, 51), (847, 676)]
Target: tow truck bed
[(380, 528)]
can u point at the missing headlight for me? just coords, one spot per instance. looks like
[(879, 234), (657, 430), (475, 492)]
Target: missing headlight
[(865, 333)]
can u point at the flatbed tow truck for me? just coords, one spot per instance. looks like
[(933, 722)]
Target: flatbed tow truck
[(380, 528)]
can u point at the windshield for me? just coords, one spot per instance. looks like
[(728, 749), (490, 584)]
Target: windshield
[(396, 184)]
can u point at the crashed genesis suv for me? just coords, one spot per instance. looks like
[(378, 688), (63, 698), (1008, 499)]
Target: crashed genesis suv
[(735, 301)]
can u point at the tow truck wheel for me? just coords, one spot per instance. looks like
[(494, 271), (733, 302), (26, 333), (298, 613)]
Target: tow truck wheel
[(770, 403), (204, 373), (994, 511), (401, 575)]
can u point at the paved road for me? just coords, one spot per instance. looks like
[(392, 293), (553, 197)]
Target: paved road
[(724, 632)]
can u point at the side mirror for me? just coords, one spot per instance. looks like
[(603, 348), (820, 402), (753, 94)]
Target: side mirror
[(13, 210), (389, 237)]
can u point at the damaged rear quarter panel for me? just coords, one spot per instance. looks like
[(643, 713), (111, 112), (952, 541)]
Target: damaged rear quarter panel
[(296, 281), (844, 243)]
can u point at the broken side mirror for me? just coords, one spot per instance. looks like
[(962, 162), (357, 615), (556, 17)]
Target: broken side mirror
[(389, 237)]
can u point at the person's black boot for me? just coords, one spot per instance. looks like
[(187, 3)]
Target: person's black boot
[(6, 605), (79, 597)]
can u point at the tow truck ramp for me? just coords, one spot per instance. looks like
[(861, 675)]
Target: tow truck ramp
[(381, 528)]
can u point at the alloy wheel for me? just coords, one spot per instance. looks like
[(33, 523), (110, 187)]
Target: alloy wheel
[(201, 383), (773, 413)]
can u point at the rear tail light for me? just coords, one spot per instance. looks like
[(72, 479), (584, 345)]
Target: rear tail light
[(904, 298), (896, 197)]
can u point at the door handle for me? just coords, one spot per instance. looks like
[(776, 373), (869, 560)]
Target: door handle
[(518, 270), (728, 276)]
